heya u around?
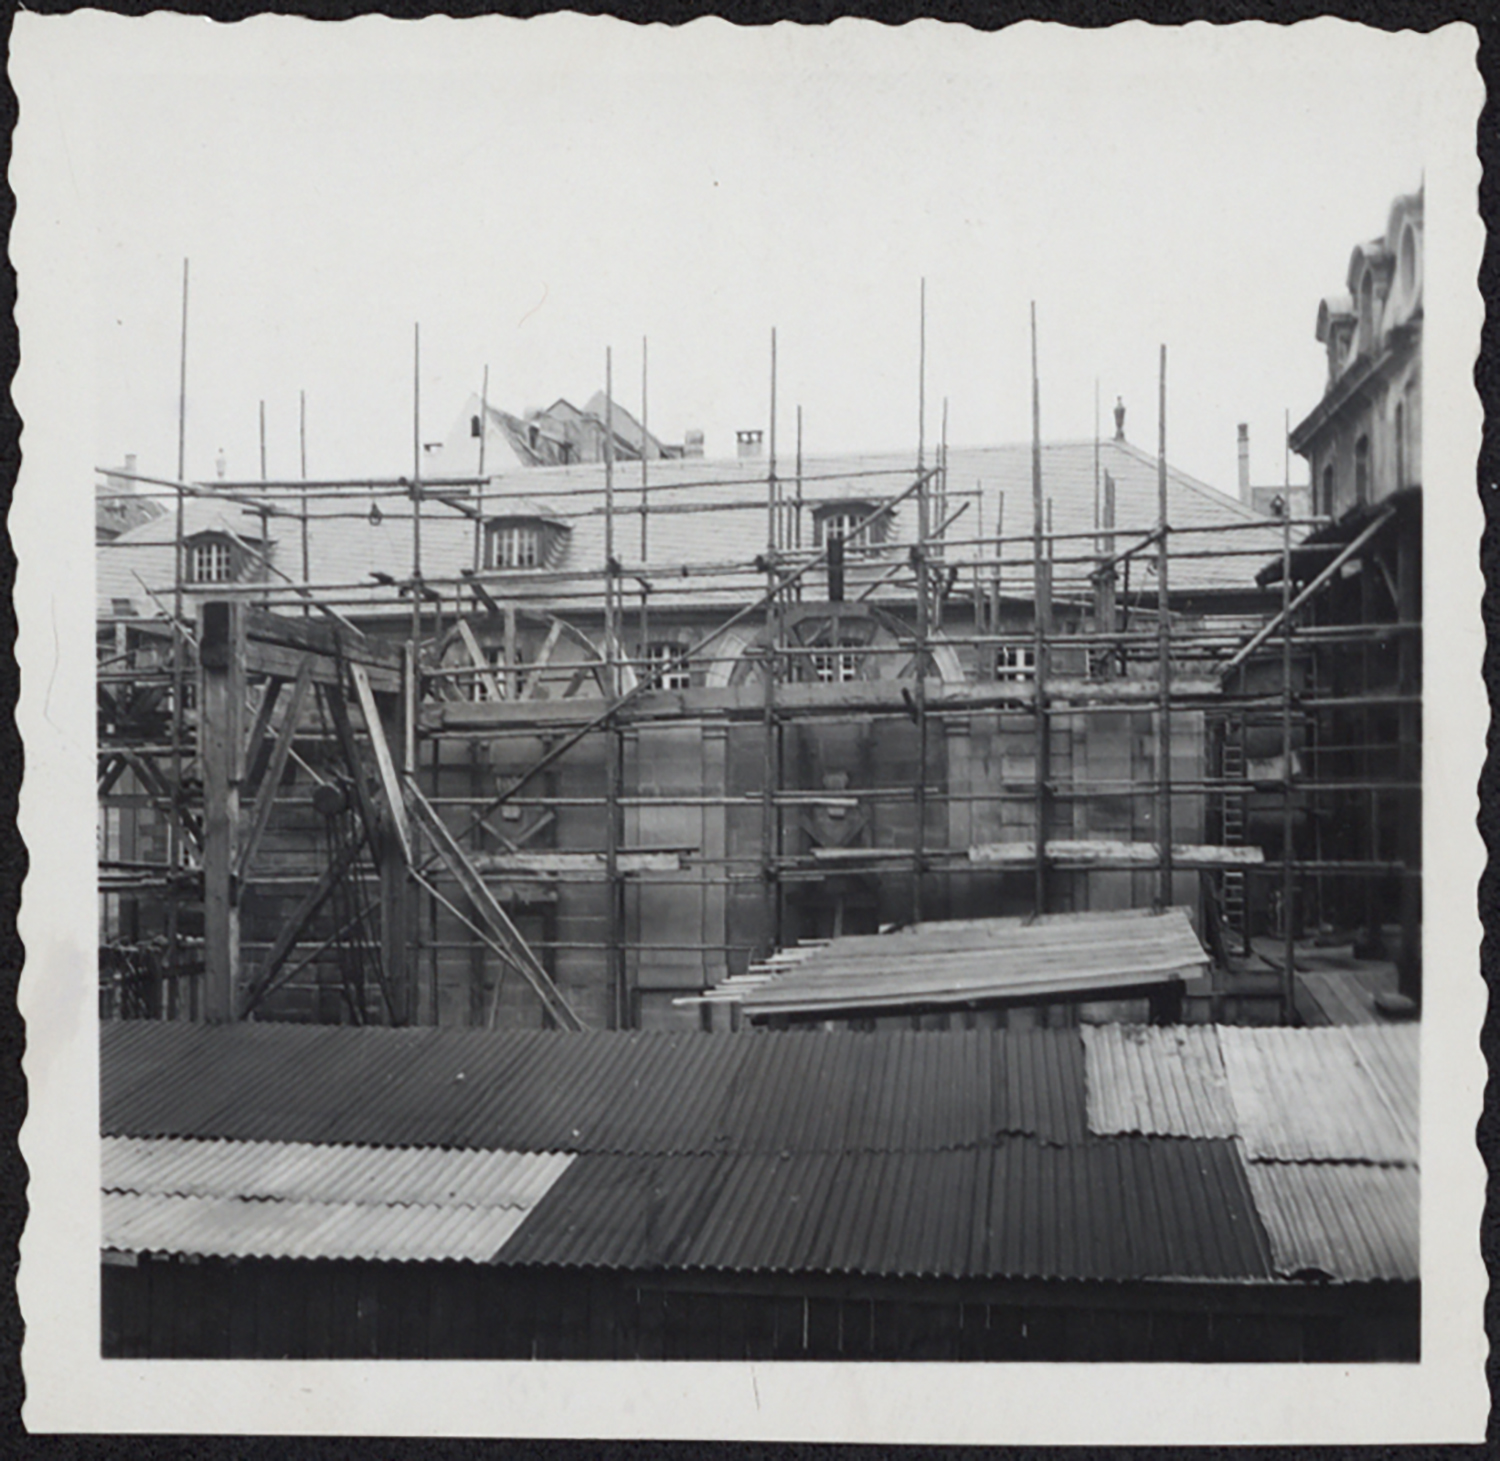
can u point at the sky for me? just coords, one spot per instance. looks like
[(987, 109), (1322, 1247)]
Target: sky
[(532, 193)]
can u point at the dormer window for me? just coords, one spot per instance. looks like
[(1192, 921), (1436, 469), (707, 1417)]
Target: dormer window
[(842, 520), (513, 545), (210, 560)]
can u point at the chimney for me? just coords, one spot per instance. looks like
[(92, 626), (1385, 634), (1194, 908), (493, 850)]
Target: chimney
[(220, 464), (749, 443), (692, 442), (1245, 463), (130, 461), (1119, 418)]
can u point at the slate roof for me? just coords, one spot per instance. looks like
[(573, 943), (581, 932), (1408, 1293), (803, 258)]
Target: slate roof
[(958, 1154), (707, 514)]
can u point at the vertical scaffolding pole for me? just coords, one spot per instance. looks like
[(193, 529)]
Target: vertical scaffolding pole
[(771, 769), (1288, 892), (1041, 627), (484, 431), (924, 590), (614, 931), (222, 655), (645, 454), (179, 667), (797, 517), (302, 462), (1163, 646)]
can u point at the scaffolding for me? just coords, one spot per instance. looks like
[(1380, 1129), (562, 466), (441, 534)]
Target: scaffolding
[(204, 716)]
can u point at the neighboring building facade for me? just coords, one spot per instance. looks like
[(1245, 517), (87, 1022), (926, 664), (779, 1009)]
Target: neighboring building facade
[(1363, 445), (1363, 441)]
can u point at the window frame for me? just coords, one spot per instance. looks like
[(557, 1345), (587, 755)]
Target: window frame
[(216, 550), (1015, 663), (522, 539), (656, 657)]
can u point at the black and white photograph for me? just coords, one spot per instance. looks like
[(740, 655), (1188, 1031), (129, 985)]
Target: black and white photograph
[(805, 698)]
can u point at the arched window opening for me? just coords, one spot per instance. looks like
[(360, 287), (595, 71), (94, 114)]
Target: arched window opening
[(1326, 506), (1362, 470)]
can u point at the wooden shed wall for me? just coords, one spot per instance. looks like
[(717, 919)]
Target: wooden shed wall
[(261, 1308)]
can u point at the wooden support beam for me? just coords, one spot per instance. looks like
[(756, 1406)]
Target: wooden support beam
[(1108, 854), (255, 748), (113, 769), (544, 657), (389, 860), (260, 816), (293, 929), (487, 906), (575, 864), (369, 813), (747, 701), (487, 676), (220, 749), (282, 661), (161, 787), (383, 762), (317, 636)]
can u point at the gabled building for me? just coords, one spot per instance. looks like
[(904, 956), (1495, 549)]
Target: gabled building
[(888, 769), (562, 435)]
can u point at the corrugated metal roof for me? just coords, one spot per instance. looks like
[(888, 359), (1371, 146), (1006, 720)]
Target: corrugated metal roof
[(998, 958), (1350, 1221), (1156, 1080), (596, 1092), (1131, 1208), (1318, 1095), (297, 1171), (230, 1227), (285, 1200)]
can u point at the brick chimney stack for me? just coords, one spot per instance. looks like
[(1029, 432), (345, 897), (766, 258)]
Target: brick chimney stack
[(1245, 463)]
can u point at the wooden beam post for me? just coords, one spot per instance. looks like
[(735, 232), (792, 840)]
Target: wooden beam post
[(221, 750), (265, 796)]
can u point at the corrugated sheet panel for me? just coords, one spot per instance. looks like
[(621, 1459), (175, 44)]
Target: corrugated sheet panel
[(231, 1227), (621, 1092), (1131, 1208), (1307, 1095), (979, 959), (297, 1172), (1350, 1221), (1392, 1056), (1157, 1081)]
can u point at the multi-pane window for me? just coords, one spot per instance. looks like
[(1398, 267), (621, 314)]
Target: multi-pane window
[(666, 668), (839, 667), (513, 545), (1015, 662), (210, 562), (841, 525)]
